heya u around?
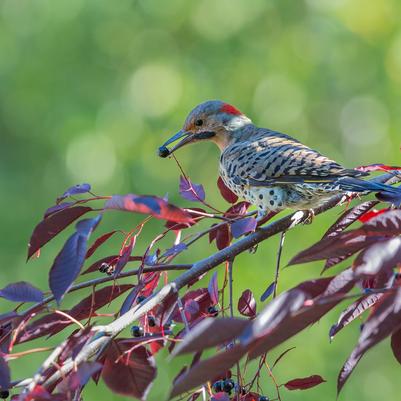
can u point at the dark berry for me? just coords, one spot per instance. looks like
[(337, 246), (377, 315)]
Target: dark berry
[(163, 151), (228, 385), (137, 331), (212, 311), (218, 386), (140, 299), (239, 389), (104, 267), (4, 394), (151, 321), (263, 398)]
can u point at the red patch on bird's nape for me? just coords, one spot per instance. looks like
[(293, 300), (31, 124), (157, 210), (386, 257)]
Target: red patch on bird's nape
[(227, 108)]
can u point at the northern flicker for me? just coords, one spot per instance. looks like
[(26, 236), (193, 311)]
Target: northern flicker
[(271, 170)]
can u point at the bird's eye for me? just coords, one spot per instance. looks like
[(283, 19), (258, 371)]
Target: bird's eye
[(199, 122)]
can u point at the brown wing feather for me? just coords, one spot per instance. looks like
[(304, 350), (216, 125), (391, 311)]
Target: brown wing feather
[(270, 157)]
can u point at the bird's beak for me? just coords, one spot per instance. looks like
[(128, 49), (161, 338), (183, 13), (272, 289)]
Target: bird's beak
[(183, 136)]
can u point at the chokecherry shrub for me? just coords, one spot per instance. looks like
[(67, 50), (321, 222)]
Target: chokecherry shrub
[(178, 313)]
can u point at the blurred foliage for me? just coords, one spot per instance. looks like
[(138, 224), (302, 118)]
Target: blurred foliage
[(89, 89)]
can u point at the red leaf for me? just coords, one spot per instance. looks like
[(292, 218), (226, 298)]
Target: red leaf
[(226, 192), (396, 345), (304, 383), (349, 217), (278, 359), (372, 213), (195, 217), (347, 243), (379, 257), (207, 369), (191, 191), (54, 323), (153, 205), (201, 297), (377, 167), (237, 210), (343, 244), (247, 304), (131, 374), (99, 241), (53, 225), (290, 313), (384, 320), (223, 237), (97, 300), (125, 255)]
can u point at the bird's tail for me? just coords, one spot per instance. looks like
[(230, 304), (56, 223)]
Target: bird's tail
[(385, 193)]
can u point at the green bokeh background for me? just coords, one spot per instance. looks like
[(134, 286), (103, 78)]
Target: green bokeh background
[(89, 89)]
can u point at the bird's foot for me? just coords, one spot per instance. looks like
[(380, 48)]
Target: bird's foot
[(252, 250), (302, 216), (309, 216)]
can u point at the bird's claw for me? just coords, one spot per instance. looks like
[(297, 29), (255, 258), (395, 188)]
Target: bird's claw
[(309, 216), (302, 216)]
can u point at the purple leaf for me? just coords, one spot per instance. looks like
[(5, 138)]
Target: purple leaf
[(247, 304), (75, 190), (21, 292), (268, 292), (213, 289), (125, 256), (82, 375), (191, 191), (4, 374), (176, 249), (191, 309), (52, 225), (243, 226), (129, 300), (69, 261)]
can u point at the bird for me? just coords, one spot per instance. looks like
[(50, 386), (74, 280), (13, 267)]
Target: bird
[(271, 170)]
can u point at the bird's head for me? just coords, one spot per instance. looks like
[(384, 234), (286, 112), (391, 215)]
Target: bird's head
[(213, 120)]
